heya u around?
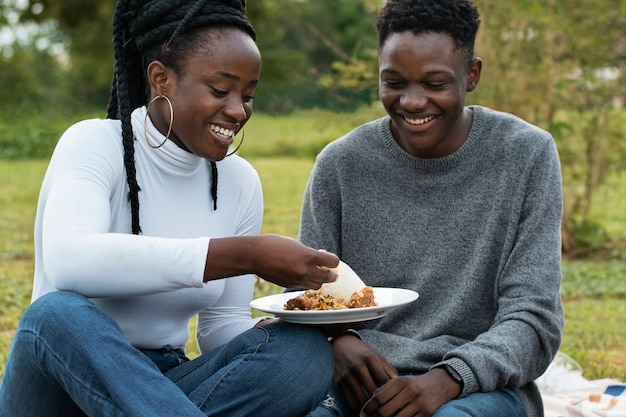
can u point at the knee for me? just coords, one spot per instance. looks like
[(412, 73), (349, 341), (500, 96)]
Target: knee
[(65, 310), (308, 351), (57, 303), (310, 344), (40, 322)]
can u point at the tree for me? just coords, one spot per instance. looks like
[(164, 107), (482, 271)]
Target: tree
[(84, 27), (560, 67), (314, 51), (560, 64), (309, 48)]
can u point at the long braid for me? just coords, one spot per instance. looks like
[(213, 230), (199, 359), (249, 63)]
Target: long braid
[(128, 78), (162, 30)]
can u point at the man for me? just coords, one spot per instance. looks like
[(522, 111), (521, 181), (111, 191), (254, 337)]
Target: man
[(459, 203)]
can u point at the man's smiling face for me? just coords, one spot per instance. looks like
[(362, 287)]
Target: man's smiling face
[(423, 82)]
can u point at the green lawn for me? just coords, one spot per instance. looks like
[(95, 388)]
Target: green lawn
[(594, 292)]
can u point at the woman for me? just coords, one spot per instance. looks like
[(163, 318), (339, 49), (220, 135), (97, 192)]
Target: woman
[(132, 241)]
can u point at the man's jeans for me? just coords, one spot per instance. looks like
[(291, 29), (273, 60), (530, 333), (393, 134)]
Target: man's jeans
[(70, 359)]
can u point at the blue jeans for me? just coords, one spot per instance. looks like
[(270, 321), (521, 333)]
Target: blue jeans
[(70, 359), (503, 402)]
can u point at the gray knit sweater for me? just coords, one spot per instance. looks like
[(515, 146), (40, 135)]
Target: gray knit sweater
[(475, 233)]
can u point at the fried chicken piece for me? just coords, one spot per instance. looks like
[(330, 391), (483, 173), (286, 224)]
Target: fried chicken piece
[(313, 300), (363, 298)]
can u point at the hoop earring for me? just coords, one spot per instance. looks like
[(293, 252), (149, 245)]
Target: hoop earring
[(243, 135), (145, 121)]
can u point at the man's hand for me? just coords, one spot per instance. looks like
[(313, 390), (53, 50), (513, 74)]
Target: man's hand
[(359, 370), (408, 396)]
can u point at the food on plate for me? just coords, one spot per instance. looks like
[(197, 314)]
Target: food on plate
[(315, 300), (347, 291), (363, 298)]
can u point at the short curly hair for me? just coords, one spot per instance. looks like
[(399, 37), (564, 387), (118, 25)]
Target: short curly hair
[(458, 18)]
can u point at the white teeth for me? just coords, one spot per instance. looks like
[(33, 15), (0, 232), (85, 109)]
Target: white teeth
[(419, 121), (222, 131)]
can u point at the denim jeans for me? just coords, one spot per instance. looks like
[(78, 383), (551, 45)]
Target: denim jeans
[(500, 403), (70, 359)]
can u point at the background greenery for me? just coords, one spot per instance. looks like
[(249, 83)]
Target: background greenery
[(558, 63)]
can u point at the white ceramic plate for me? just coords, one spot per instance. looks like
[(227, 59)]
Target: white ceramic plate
[(387, 299)]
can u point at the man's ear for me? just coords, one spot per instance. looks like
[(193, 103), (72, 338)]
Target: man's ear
[(158, 77), (473, 74)]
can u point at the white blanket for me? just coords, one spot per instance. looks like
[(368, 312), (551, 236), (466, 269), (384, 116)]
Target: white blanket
[(566, 393)]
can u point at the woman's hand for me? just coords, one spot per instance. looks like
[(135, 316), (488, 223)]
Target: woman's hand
[(359, 370), (278, 259)]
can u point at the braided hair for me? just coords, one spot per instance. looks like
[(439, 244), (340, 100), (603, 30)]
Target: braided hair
[(458, 18), (168, 31)]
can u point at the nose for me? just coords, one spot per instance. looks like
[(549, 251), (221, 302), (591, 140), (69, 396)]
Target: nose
[(238, 110), (414, 98)]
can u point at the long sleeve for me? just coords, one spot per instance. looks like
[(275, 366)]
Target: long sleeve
[(80, 203)]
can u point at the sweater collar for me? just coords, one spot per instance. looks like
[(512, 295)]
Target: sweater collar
[(169, 157), (432, 164)]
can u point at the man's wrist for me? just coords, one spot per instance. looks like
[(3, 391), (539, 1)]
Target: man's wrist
[(349, 332), (454, 375)]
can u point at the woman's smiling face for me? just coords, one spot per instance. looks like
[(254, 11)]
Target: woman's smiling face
[(212, 96), (423, 82)]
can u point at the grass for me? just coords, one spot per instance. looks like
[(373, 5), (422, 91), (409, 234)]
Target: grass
[(283, 187), (612, 215), (594, 292), (302, 134)]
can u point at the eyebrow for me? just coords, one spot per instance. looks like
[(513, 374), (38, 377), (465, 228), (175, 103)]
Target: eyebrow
[(230, 76), (395, 72)]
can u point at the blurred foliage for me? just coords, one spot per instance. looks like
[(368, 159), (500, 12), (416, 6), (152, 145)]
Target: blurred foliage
[(586, 279), (299, 40), (560, 64), (34, 133), (83, 29)]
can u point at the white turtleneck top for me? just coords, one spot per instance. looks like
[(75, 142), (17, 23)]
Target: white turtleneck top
[(150, 284)]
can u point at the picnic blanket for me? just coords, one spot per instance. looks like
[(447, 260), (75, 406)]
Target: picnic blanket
[(566, 393)]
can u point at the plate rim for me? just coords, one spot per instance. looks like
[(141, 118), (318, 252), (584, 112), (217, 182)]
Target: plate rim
[(333, 316)]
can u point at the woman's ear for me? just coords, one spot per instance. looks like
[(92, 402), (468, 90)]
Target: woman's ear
[(158, 77), (473, 74)]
